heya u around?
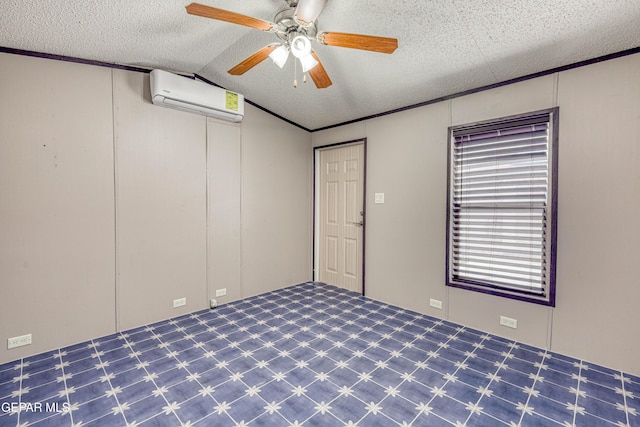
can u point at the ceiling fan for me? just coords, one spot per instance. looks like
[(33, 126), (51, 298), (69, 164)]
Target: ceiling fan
[(296, 27)]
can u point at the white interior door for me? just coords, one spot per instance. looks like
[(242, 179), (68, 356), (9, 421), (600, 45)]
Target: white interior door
[(341, 216)]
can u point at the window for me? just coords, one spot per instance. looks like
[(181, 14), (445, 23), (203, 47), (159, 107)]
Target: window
[(501, 218)]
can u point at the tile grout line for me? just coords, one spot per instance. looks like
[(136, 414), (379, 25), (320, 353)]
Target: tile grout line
[(361, 378), (22, 362), (575, 406), (67, 390), (501, 365), (432, 355), (438, 322), (406, 377), (283, 353), (351, 336), (204, 391), (318, 374), (192, 336), (624, 398), (120, 409), (450, 377), (531, 392), (150, 376), (305, 365), (224, 363)]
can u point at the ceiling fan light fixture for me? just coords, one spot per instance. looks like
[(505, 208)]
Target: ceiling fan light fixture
[(280, 55), (308, 62), (300, 46)]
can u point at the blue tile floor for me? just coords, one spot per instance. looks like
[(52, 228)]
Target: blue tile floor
[(311, 355)]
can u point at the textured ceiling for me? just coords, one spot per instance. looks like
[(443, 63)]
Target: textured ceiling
[(445, 46)]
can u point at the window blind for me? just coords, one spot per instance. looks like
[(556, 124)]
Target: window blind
[(499, 195)]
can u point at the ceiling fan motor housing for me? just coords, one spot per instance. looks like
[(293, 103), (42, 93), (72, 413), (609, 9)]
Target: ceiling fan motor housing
[(286, 25)]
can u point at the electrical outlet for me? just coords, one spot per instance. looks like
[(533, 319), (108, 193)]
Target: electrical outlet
[(221, 292), (435, 303), (18, 341), (508, 322), (179, 302)]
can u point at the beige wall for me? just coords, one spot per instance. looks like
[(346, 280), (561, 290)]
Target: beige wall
[(596, 316), (260, 185), (599, 230), (56, 204), (408, 168), (94, 242), (161, 188), (224, 243), (276, 204)]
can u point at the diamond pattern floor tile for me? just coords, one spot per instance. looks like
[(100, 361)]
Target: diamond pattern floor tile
[(312, 355)]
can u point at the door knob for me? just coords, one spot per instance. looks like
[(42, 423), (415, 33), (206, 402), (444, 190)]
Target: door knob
[(359, 224)]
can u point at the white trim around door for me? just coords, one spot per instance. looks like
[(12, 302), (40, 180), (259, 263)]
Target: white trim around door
[(340, 214)]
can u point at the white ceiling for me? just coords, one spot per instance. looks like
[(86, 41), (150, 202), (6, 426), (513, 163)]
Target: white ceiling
[(445, 46)]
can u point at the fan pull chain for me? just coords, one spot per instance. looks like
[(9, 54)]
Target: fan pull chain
[(295, 73), (304, 80)]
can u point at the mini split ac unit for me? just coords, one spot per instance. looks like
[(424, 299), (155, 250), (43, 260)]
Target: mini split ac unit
[(182, 93)]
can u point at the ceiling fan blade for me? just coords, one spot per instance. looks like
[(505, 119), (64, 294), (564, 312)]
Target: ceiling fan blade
[(308, 11), (225, 15), (253, 60), (359, 41), (319, 74)]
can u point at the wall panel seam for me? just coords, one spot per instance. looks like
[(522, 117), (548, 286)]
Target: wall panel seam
[(116, 251)]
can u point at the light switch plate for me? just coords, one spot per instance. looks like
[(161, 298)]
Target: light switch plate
[(379, 197)]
